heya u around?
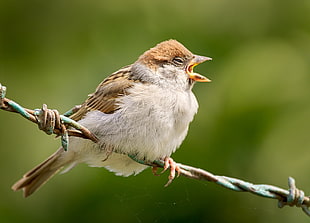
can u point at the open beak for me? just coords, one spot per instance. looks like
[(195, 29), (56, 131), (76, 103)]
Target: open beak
[(194, 62)]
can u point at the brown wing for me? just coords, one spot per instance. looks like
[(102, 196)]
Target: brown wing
[(106, 94)]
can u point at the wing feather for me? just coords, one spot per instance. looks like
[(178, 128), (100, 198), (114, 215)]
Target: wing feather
[(105, 97)]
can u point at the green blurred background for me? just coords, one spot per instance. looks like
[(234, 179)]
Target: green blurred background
[(253, 122)]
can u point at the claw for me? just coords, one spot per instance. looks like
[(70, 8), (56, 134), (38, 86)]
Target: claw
[(173, 168)]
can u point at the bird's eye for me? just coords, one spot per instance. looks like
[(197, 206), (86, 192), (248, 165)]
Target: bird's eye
[(178, 61)]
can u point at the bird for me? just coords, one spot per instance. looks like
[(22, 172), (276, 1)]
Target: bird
[(143, 110)]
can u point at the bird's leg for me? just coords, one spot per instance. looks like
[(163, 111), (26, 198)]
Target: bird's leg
[(169, 162), (154, 168)]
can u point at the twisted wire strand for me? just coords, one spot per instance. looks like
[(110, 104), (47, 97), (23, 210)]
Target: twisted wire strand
[(48, 120), (291, 197), (51, 122)]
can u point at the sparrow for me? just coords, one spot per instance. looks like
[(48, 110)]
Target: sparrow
[(142, 110)]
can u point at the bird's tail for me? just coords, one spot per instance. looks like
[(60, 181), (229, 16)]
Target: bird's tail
[(39, 175)]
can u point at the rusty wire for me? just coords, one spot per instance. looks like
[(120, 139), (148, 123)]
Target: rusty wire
[(51, 122), (291, 197), (48, 120)]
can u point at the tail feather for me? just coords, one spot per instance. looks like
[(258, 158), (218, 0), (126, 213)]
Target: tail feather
[(40, 174)]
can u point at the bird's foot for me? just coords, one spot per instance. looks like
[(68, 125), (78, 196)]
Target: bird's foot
[(169, 162)]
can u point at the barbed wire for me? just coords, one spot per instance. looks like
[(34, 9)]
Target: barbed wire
[(51, 122)]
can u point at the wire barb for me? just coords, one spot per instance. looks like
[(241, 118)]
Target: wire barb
[(295, 197), (50, 121), (291, 197)]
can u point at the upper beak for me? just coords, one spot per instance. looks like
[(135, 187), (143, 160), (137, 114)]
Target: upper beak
[(194, 62)]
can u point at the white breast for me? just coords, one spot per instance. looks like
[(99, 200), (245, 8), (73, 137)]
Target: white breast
[(153, 122), (150, 124)]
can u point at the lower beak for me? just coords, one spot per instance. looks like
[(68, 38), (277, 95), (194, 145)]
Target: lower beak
[(194, 62)]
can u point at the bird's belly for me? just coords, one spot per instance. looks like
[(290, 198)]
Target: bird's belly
[(149, 128), (153, 127)]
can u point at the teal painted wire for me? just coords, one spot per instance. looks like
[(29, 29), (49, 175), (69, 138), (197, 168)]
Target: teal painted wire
[(19, 109), (71, 122), (291, 197)]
